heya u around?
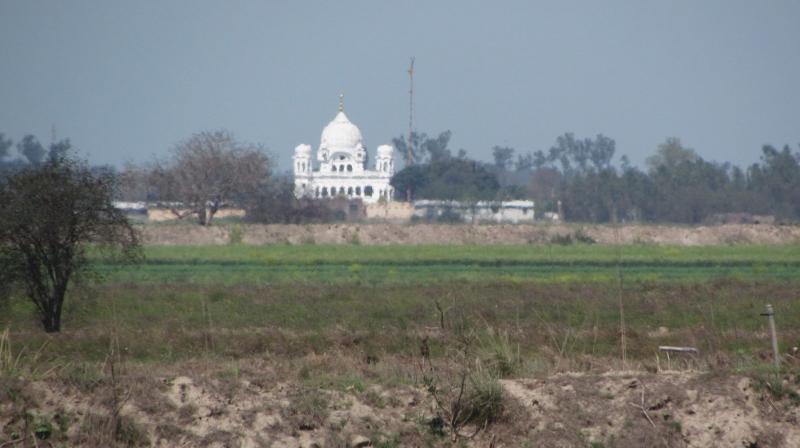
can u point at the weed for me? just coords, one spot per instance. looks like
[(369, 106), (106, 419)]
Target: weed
[(772, 383), (392, 441), (577, 237), (102, 430), (62, 420), (498, 354), (235, 234), (82, 375), (485, 402), (474, 397), (42, 429), (374, 399), (308, 409), (562, 240), (8, 365), (582, 237)]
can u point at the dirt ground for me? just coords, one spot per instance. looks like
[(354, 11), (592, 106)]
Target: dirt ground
[(188, 234), (249, 408)]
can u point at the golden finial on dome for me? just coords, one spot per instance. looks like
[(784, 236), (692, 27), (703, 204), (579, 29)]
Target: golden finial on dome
[(341, 102)]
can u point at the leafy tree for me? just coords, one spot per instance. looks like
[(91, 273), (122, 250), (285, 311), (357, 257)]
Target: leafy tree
[(443, 176), (670, 154), (601, 151), (452, 179), (59, 149), (524, 162), (414, 178), (52, 213), (436, 148), (209, 170), (417, 151), (31, 149), (425, 149), (503, 157), (778, 178), (540, 160), (5, 144)]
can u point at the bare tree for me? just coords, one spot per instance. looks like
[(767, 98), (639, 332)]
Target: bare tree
[(51, 213), (209, 170), (133, 183)]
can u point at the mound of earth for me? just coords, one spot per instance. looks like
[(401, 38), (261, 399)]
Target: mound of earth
[(188, 234), (245, 409)]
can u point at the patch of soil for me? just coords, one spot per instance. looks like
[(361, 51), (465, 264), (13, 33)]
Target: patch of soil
[(634, 409)]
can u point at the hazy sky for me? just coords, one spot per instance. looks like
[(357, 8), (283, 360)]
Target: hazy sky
[(127, 80)]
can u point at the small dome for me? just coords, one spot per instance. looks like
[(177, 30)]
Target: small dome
[(303, 150), (340, 134), (385, 151)]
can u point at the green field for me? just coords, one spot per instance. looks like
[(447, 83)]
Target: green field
[(232, 265), (240, 301)]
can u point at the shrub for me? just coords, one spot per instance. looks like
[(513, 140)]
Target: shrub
[(561, 240), (485, 401), (582, 237), (497, 353)]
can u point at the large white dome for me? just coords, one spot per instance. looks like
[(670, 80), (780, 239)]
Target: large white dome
[(340, 134)]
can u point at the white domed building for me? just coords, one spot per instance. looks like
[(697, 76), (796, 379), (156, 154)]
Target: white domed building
[(343, 162)]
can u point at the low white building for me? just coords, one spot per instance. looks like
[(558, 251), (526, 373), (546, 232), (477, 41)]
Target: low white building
[(342, 169), (514, 212)]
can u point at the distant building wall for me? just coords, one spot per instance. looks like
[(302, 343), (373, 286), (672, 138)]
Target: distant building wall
[(165, 214), (475, 212), (390, 211), (158, 212)]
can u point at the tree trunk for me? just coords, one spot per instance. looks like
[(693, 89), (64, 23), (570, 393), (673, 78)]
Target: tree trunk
[(201, 216), (52, 320)]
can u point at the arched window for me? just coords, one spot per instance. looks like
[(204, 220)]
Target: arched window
[(341, 190), (316, 192), (349, 168), (304, 166), (341, 168), (349, 191), (333, 167), (358, 191), (324, 192), (368, 191)]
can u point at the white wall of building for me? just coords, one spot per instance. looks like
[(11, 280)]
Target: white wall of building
[(514, 212)]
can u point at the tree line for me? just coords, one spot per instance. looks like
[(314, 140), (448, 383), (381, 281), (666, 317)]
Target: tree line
[(581, 175)]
